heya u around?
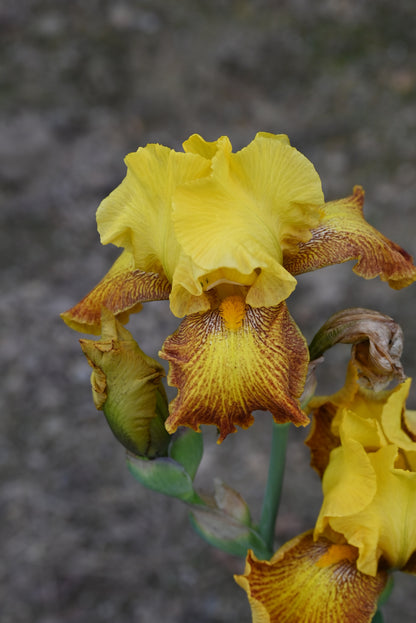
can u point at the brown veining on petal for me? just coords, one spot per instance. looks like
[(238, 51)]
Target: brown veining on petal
[(122, 293), (345, 235), (223, 374), (305, 581)]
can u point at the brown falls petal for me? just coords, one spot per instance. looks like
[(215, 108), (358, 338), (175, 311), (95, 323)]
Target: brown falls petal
[(225, 370), (121, 291), (321, 439), (345, 235), (317, 582)]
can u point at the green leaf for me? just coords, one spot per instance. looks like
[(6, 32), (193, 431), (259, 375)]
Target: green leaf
[(187, 448), (163, 475)]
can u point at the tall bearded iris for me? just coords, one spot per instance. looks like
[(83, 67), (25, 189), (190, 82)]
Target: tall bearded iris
[(222, 235)]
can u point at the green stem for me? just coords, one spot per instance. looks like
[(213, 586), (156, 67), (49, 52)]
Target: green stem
[(378, 617), (274, 484)]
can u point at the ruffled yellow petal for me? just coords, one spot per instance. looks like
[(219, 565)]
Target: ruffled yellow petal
[(394, 418), (364, 448), (126, 385), (386, 526), (343, 234), (325, 435), (187, 296), (317, 582), (374, 419), (349, 483), (366, 430), (255, 204), (121, 291), (137, 214), (231, 361), (207, 149)]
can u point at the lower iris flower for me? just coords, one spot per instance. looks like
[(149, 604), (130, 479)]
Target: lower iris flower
[(363, 445), (368, 469)]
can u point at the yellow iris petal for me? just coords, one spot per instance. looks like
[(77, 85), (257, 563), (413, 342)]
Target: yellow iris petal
[(254, 204), (231, 361), (392, 418), (386, 526), (348, 484), (209, 216), (317, 582), (343, 234), (372, 418), (198, 145), (367, 431), (137, 214)]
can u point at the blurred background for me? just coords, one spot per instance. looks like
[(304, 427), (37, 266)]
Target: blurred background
[(83, 84)]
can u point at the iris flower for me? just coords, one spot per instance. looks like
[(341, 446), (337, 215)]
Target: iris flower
[(363, 445), (223, 236), (368, 468)]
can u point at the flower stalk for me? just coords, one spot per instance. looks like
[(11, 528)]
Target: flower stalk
[(274, 485)]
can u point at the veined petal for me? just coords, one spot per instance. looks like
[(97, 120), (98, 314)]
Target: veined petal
[(121, 291), (317, 582), (233, 360), (137, 214), (255, 204), (343, 234)]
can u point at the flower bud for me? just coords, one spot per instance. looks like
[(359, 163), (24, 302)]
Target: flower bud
[(127, 386), (225, 522), (377, 344)]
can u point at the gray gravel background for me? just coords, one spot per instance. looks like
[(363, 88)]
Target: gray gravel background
[(82, 84)]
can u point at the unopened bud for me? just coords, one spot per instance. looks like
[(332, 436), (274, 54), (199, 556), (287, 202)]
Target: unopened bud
[(231, 502), (225, 522), (126, 385)]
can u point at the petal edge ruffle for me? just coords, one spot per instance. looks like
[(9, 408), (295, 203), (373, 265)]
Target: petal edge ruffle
[(310, 581), (223, 373), (343, 235), (121, 291)]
